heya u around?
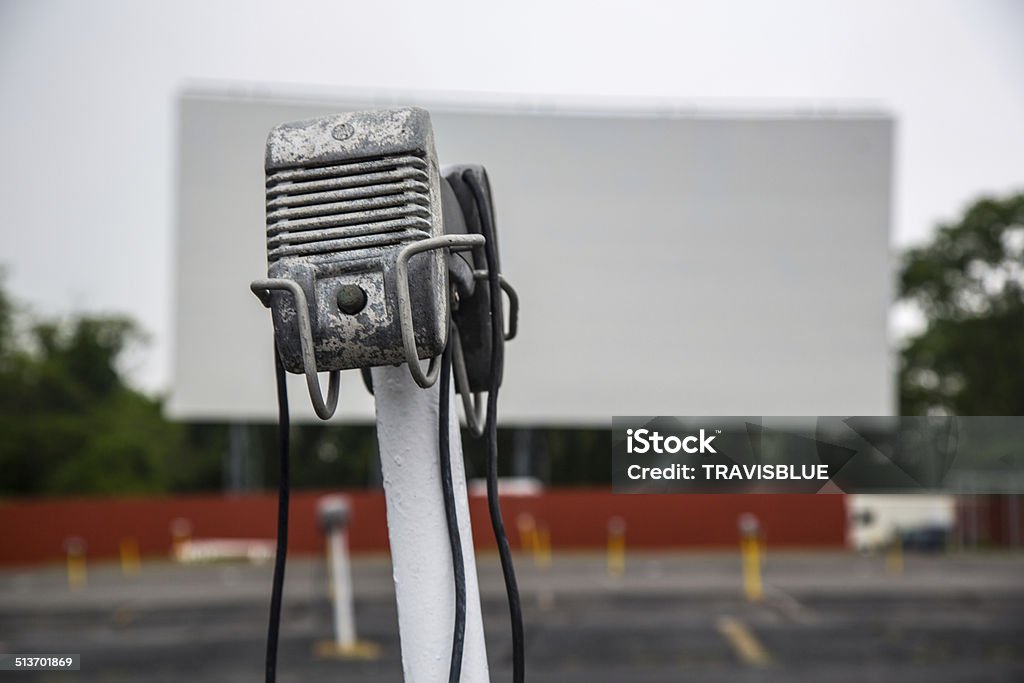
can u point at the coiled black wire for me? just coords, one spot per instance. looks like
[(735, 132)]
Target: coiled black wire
[(448, 492), (283, 491), (497, 364)]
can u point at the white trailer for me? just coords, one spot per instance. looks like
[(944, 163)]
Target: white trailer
[(876, 520)]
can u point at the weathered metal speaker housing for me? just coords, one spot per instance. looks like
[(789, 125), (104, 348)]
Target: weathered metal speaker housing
[(344, 194)]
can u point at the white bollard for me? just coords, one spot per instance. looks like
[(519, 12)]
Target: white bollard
[(334, 513), (407, 429)]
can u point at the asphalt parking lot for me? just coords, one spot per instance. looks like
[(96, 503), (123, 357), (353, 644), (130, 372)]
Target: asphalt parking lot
[(672, 617)]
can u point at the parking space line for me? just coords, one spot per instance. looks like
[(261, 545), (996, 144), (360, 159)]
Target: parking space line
[(748, 648), (791, 607)]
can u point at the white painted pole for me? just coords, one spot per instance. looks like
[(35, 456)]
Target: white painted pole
[(420, 553)]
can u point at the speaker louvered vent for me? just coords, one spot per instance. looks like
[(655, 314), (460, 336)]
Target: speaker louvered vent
[(323, 210)]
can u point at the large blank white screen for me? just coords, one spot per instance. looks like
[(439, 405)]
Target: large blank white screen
[(715, 265)]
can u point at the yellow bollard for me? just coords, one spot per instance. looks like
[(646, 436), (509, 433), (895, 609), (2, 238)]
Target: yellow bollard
[(616, 547), (894, 557), (130, 565), (527, 533), (542, 547), (75, 549), (750, 551)]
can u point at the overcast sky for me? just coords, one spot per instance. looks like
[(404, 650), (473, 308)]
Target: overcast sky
[(87, 92)]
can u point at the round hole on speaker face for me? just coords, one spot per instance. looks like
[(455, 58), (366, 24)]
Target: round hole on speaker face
[(351, 299)]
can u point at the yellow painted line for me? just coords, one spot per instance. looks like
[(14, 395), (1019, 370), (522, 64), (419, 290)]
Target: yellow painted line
[(360, 650), (747, 646)]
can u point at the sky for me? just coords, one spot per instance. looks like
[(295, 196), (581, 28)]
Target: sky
[(87, 92)]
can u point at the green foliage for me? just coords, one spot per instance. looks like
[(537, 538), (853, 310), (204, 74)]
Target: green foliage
[(969, 284), (70, 424)]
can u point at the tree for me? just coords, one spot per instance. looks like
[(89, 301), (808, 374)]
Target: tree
[(969, 285), (69, 421), (71, 424)]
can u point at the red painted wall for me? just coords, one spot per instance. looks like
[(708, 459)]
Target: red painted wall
[(33, 531), (990, 520)]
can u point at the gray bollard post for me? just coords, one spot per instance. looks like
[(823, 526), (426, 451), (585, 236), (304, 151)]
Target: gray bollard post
[(335, 514)]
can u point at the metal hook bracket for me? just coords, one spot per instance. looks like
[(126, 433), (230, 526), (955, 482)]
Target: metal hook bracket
[(513, 302), (454, 242), (473, 404), (324, 409)]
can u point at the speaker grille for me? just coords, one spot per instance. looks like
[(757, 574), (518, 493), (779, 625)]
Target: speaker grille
[(357, 206)]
